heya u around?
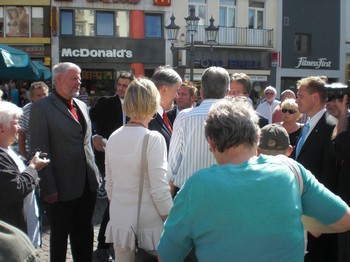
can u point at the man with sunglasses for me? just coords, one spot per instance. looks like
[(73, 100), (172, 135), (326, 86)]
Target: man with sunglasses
[(266, 108), (340, 148)]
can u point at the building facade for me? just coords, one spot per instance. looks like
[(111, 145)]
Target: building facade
[(308, 42), (25, 25)]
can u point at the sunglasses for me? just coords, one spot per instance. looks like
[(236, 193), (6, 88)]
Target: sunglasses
[(290, 111)]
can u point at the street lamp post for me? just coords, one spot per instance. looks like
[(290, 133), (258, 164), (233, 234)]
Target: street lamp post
[(191, 29)]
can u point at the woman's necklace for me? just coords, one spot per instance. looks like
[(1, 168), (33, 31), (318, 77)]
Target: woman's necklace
[(137, 123)]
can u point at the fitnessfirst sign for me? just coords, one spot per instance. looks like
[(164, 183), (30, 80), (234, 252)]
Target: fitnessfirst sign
[(96, 53), (316, 64)]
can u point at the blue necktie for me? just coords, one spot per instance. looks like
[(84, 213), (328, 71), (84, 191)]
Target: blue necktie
[(302, 139)]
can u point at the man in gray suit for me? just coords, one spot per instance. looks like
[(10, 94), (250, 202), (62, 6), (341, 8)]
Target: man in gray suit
[(60, 126)]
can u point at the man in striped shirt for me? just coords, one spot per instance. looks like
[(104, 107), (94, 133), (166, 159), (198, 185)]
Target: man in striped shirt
[(189, 150), (37, 90)]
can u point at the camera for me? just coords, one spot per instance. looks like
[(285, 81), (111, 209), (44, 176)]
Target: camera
[(337, 91)]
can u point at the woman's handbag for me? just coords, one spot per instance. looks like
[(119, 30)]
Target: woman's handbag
[(142, 255)]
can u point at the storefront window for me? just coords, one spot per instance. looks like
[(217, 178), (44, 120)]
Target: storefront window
[(66, 22), (37, 21), (17, 21), (1, 21), (84, 19), (104, 24), (122, 23), (153, 24)]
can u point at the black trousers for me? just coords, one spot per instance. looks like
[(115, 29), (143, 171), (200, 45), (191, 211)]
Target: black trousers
[(72, 218), (322, 249), (101, 234)]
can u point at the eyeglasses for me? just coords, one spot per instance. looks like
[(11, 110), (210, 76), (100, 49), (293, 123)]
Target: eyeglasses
[(290, 111), (269, 94)]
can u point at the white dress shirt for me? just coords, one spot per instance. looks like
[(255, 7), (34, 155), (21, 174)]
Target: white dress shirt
[(189, 150)]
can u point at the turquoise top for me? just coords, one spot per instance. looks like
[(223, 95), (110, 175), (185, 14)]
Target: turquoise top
[(246, 212)]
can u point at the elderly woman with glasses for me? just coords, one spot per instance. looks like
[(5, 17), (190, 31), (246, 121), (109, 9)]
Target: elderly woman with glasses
[(290, 117), (17, 181)]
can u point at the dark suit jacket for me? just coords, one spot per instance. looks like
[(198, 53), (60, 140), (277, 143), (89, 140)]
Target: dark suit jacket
[(106, 117), (315, 153), (14, 187), (263, 121), (340, 148), (315, 156), (172, 114), (55, 131), (159, 125)]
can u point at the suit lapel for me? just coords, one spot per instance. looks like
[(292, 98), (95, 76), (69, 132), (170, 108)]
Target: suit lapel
[(314, 133), (61, 106), (81, 108), (161, 122)]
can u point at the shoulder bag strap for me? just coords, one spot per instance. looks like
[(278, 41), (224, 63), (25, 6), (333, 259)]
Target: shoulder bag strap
[(144, 169)]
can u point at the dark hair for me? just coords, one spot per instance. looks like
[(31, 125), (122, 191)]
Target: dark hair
[(126, 75), (244, 80)]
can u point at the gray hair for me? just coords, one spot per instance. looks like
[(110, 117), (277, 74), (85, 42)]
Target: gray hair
[(61, 68), (165, 75), (36, 86), (215, 82), (232, 122), (8, 111)]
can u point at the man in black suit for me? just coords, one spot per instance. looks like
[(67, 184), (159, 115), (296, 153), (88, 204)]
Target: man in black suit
[(241, 85), (314, 154), (167, 81), (60, 126), (107, 116), (340, 148), (186, 97)]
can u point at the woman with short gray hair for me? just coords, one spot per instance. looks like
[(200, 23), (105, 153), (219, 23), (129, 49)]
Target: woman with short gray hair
[(17, 182), (246, 208)]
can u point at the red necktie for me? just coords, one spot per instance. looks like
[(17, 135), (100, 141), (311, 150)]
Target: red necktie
[(72, 110), (166, 120)]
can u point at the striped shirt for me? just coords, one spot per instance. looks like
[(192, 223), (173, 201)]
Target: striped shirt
[(24, 124), (189, 150)]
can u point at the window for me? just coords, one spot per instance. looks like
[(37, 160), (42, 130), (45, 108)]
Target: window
[(1, 21), (200, 8), (17, 21), (104, 24), (302, 44), (256, 15), (66, 22), (84, 19), (227, 13), (37, 21), (122, 23), (88, 22), (153, 24)]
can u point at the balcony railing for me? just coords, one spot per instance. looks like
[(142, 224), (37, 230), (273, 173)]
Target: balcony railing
[(237, 36)]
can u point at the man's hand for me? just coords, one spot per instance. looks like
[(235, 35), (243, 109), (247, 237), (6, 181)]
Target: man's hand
[(98, 143), (51, 199)]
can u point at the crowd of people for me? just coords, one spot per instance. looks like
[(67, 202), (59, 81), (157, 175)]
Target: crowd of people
[(187, 179)]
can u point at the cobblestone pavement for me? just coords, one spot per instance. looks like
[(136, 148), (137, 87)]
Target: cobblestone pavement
[(96, 220)]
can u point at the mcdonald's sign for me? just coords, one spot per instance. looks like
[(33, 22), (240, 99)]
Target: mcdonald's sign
[(162, 2)]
